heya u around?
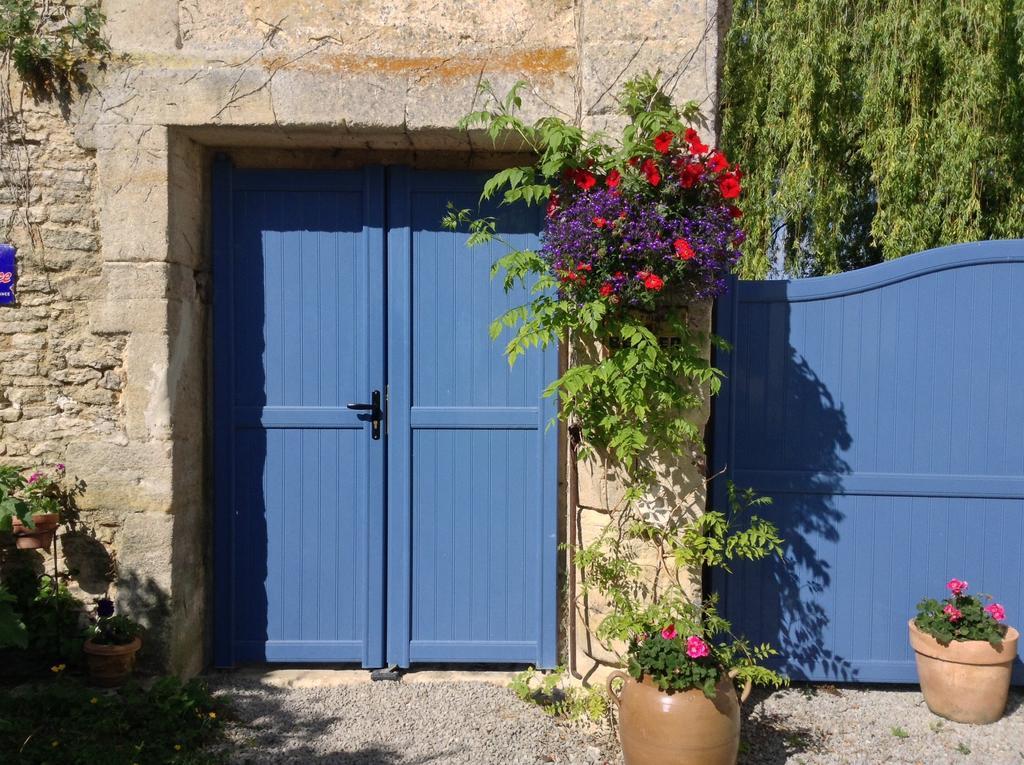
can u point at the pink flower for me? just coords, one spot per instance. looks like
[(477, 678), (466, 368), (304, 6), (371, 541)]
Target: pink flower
[(34, 477), (996, 611), (952, 612), (956, 587), (696, 648), (669, 633)]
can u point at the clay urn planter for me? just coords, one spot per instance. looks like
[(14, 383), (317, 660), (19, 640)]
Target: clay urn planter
[(39, 537), (966, 681), (111, 665), (682, 728)]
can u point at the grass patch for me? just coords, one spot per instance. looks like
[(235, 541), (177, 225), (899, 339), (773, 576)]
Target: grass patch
[(67, 723)]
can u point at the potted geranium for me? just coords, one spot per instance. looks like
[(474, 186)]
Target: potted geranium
[(678, 705), (30, 507), (111, 648), (965, 655)]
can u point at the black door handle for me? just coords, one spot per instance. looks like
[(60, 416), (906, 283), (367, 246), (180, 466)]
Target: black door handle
[(376, 414)]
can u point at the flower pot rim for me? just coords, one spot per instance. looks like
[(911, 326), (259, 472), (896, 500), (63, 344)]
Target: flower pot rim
[(102, 649), (979, 652), (38, 518)]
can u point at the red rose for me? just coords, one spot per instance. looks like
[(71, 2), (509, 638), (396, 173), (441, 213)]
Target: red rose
[(599, 222), (683, 249), (584, 180), (690, 174), (717, 162), (634, 161), (650, 169), (653, 282), (663, 141), (613, 179), (730, 187), (584, 267), (693, 138), (553, 201), (735, 212), (606, 289)]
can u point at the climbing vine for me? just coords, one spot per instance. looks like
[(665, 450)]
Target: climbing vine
[(872, 130), (45, 47), (636, 228)]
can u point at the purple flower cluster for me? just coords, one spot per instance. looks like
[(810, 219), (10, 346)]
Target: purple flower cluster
[(627, 247)]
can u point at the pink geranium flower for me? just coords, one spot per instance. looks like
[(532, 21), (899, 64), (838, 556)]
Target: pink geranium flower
[(957, 587), (952, 612), (34, 477), (996, 611), (696, 648), (669, 633)]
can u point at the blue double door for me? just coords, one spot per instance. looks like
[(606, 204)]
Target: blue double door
[(385, 483)]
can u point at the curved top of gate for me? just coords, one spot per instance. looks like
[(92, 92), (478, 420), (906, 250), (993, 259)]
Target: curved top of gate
[(883, 274)]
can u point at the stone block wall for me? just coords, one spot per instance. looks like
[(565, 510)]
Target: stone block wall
[(104, 364)]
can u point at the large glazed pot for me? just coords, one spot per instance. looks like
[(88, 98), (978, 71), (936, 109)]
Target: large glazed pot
[(35, 538), (968, 680), (110, 665), (683, 728)]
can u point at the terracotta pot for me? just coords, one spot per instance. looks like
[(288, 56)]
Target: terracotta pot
[(41, 536), (683, 728), (968, 680), (111, 665)]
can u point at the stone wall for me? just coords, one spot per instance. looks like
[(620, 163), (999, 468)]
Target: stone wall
[(61, 383), (105, 360)]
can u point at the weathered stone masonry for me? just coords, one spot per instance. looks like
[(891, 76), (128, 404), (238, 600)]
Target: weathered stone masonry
[(104, 364)]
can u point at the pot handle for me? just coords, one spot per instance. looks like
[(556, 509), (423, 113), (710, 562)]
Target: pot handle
[(611, 690), (745, 693)]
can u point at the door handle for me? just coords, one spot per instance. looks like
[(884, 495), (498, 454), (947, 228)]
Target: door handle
[(376, 414)]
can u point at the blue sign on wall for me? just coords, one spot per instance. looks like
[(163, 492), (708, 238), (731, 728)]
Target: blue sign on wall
[(8, 273)]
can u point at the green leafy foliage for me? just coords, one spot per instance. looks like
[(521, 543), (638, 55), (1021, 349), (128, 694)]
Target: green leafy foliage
[(974, 623), (631, 400), (54, 618), (49, 50), (65, 722), (558, 698), (13, 503), (642, 606), (114, 630), (873, 130), (626, 396), (12, 629)]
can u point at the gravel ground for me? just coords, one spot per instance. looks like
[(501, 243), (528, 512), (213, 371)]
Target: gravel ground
[(825, 724), (401, 724), (480, 724)]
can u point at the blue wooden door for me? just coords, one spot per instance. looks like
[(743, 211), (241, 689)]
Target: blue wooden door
[(882, 410), (434, 541), (472, 463), (300, 481)]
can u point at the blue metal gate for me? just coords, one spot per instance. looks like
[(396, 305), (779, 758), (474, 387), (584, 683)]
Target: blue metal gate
[(883, 411), (419, 524)]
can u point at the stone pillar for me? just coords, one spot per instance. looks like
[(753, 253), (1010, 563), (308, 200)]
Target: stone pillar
[(679, 491)]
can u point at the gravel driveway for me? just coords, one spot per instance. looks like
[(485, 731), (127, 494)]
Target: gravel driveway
[(863, 724), (484, 724), (389, 723)]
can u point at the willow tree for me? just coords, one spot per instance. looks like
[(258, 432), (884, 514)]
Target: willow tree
[(873, 129)]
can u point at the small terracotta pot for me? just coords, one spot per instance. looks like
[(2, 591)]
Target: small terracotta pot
[(41, 536), (111, 665), (966, 681), (683, 728)]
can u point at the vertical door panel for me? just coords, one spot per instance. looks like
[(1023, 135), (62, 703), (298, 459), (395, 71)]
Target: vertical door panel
[(299, 315), (472, 464)]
